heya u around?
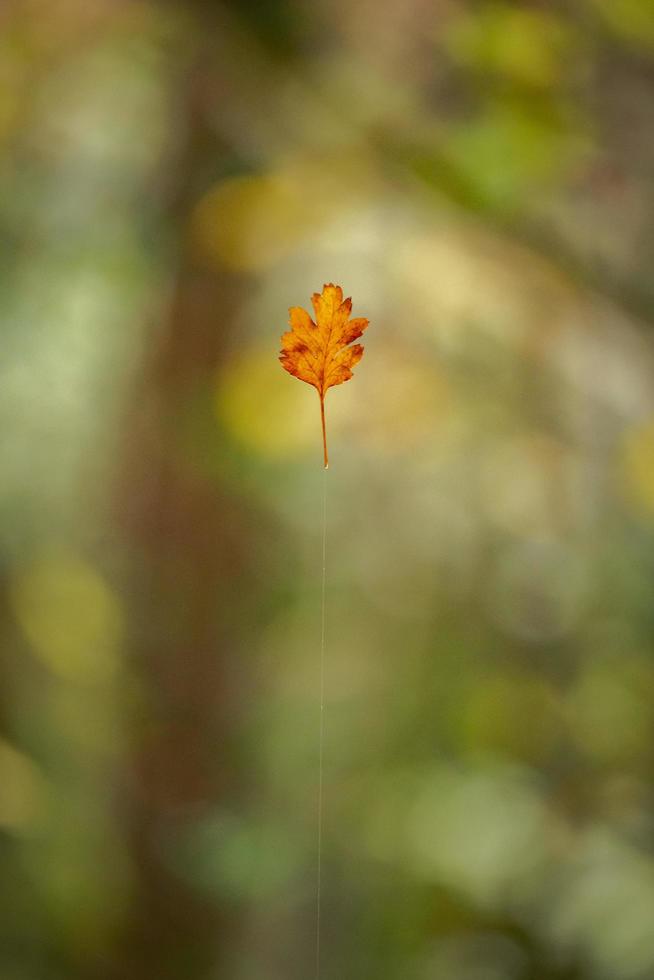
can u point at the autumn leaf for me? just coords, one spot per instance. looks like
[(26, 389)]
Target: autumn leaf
[(318, 352)]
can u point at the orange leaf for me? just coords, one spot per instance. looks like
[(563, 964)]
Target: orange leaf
[(318, 353)]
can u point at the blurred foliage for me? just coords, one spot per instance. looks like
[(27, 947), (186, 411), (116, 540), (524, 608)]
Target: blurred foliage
[(478, 176)]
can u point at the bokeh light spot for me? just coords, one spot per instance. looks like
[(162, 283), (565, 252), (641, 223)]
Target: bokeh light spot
[(22, 796), (263, 410), (248, 222), (637, 468), (69, 615)]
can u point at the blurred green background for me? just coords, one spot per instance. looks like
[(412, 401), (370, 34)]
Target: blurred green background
[(478, 177)]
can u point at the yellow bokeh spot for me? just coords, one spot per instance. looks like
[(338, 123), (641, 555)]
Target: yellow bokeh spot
[(264, 409), (632, 19), (527, 45), (511, 714), (70, 617), (609, 709), (637, 468), (22, 796), (248, 222)]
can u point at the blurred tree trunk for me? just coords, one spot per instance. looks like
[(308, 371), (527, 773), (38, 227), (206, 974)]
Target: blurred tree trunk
[(189, 554)]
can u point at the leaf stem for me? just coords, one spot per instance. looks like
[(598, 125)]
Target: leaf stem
[(324, 434)]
